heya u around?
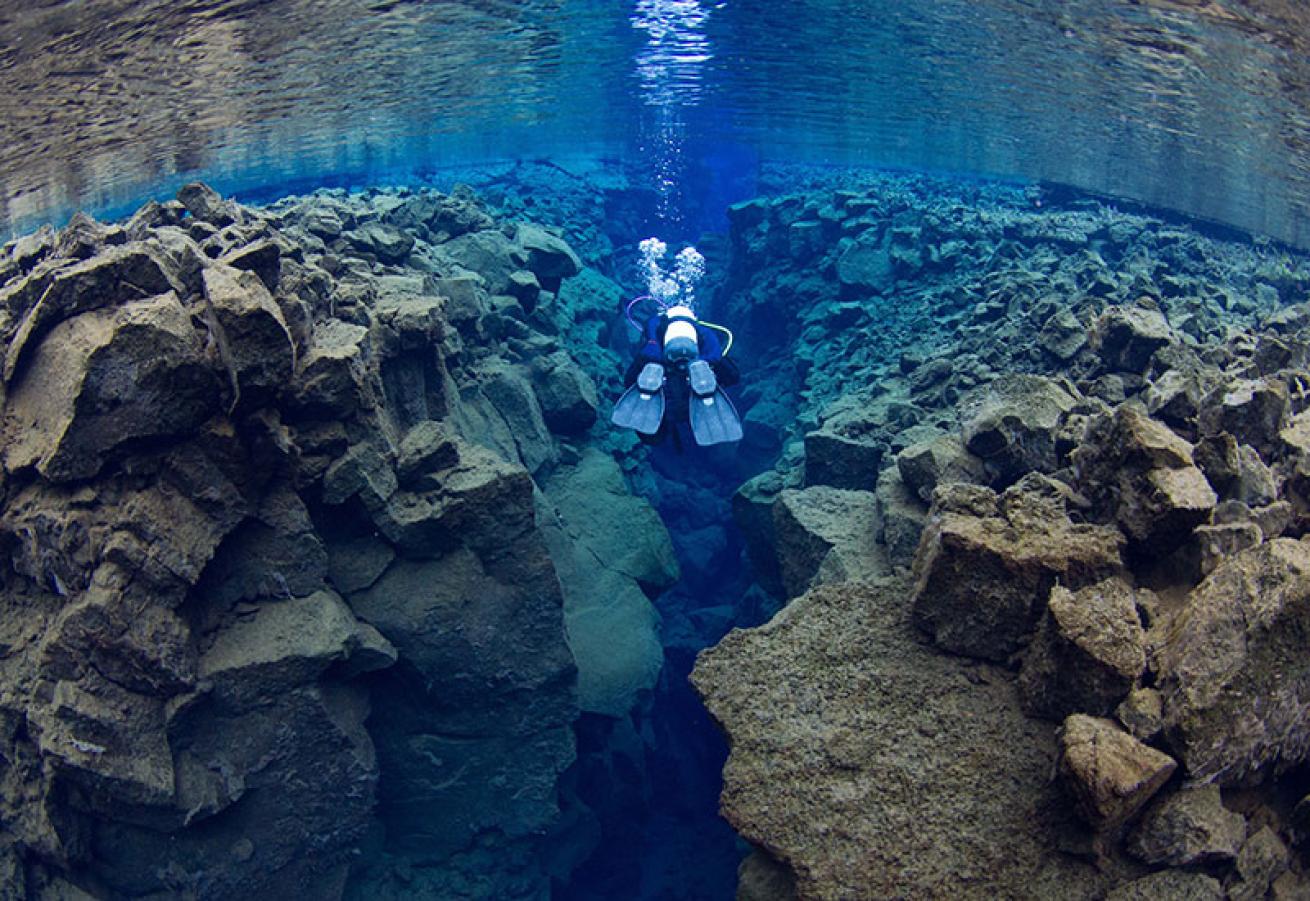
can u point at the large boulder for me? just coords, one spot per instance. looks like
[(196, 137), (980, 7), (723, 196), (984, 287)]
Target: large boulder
[(607, 545), (825, 534), (1011, 424), (1088, 652), (1254, 411), (548, 257), (1233, 672), (388, 244), (106, 379), (901, 517), (871, 766), (566, 393), (117, 276), (251, 334), (983, 575)]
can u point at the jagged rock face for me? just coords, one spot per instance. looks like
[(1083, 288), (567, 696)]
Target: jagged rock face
[(1233, 672), (1088, 653), (874, 767), (1165, 412), (275, 578), (982, 576), (825, 535)]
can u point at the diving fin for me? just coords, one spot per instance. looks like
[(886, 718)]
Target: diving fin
[(642, 406), (714, 420)]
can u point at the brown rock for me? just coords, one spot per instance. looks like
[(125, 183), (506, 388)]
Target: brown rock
[(1087, 654), (1187, 827), (981, 581), (1111, 773), (1234, 674)]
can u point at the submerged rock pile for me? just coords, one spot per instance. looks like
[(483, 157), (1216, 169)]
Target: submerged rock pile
[(305, 554), (1082, 439)]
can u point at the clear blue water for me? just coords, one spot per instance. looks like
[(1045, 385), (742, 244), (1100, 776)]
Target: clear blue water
[(1201, 107), (1193, 105)]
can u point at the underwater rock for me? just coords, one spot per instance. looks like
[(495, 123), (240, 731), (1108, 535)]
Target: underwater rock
[(752, 511), (901, 518), (609, 548), (1231, 673), (1111, 773), (1254, 411), (1088, 653), (1142, 476), (1142, 713), (871, 766), (1011, 424), (1169, 885), (927, 464), (761, 878), (1187, 827), (983, 578), (257, 343), (290, 643), (548, 257), (1127, 337), (207, 205), (1062, 335), (566, 393), (105, 379), (824, 535), (1262, 859), (390, 245), (191, 683)]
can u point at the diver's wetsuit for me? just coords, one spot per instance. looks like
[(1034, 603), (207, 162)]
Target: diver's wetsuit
[(677, 393)]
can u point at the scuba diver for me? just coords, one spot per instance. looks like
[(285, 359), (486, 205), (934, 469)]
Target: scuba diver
[(682, 368)]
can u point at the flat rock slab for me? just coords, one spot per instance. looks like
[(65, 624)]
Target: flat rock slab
[(875, 767)]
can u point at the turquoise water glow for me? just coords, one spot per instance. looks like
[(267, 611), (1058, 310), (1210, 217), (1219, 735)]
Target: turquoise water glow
[(1197, 107)]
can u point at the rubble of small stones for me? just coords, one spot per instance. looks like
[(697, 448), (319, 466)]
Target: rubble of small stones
[(1086, 435), (310, 566)]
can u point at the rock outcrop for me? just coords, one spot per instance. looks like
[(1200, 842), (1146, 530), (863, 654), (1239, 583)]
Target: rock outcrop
[(280, 574)]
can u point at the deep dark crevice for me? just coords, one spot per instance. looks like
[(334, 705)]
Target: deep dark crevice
[(654, 781)]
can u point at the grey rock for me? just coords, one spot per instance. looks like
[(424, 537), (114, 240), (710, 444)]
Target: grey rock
[(428, 447), (263, 257), (289, 643), (824, 704), (362, 471), (1231, 673), (1088, 653), (1011, 424), (388, 244), (1220, 541), (254, 338), (1254, 411), (1186, 827), (548, 257), (1262, 860), (1142, 476), (118, 276), (1142, 713), (1169, 885), (1062, 335), (566, 393), (105, 379), (866, 265), (925, 465), (1127, 337), (334, 379), (825, 535), (207, 205), (901, 518)]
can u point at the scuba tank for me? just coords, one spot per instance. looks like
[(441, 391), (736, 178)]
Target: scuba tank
[(680, 342)]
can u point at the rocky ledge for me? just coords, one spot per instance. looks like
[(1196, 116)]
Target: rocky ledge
[(308, 567), (1041, 527)]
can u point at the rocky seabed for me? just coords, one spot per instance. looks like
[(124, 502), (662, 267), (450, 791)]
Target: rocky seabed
[(318, 547)]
